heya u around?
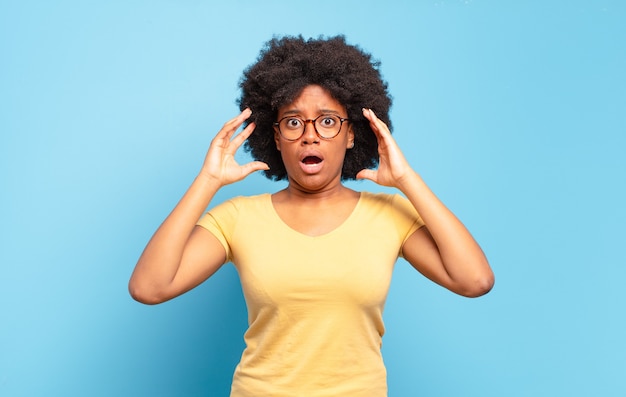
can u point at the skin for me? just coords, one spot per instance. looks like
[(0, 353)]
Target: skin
[(319, 190), (181, 255)]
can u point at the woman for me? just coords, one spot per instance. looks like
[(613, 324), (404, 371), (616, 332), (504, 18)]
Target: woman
[(315, 259)]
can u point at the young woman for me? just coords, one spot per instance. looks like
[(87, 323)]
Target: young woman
[(315, 259)]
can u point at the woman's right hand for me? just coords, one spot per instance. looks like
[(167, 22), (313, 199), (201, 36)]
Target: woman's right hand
[(181, 255), (220, 164)]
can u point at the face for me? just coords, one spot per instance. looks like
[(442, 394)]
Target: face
[(314, 163)]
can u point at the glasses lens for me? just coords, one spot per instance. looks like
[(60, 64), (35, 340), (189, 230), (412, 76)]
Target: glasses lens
[(327, 125), (291, 127)]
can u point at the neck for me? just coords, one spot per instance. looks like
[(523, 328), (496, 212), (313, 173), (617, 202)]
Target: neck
[(297, 192)]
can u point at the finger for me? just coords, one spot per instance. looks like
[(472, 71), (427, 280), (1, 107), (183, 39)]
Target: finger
[(240, 138), (240, 118), (235, 123), (371, 117), (229, 128), (377, 124)]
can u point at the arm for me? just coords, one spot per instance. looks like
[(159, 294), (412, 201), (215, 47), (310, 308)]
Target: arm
[(443, 250), (181, 255)]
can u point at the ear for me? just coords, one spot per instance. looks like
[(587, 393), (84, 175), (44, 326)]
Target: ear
[(277, 139), (350, 143)]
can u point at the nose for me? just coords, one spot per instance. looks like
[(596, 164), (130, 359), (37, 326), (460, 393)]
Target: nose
[(310, 134)]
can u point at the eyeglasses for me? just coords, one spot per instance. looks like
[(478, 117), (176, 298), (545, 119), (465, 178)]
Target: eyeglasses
[(327, 126)]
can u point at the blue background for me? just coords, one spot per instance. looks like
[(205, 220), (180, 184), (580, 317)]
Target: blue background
[(513, 112)]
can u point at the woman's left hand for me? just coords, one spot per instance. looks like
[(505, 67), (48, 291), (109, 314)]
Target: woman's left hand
[(393, 168), (443, 250)]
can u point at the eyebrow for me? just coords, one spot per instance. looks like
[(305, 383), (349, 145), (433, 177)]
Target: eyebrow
[(321, 112)]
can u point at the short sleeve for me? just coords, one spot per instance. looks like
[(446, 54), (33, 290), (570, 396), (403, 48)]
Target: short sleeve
[(221, 221), (406, 217)]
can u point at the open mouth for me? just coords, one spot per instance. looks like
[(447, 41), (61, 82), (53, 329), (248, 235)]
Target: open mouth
[(311, 160), (311, 163)]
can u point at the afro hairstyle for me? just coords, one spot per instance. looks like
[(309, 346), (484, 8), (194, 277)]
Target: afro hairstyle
[(287, 65)]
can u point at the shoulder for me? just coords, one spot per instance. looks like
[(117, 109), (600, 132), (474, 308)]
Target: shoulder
[(369, 197), (231, 210), (395, 206), (383, 199), (242, 202)]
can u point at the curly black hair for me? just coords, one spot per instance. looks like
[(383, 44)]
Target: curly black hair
[(286, 66)]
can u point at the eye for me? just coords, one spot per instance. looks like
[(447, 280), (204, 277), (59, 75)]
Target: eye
[(327, 121), (292, 123)]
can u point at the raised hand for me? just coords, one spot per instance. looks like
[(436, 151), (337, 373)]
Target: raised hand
[(220, 164), (393, 167)]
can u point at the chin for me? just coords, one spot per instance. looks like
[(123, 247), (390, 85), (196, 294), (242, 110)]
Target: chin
[(313, 183)]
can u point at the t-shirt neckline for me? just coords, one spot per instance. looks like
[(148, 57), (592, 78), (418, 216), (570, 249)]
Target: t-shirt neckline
[(342, 225)]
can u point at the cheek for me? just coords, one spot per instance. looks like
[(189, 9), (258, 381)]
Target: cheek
[(339, 153)]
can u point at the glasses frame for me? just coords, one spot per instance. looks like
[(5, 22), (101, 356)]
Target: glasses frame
[(312, 121)]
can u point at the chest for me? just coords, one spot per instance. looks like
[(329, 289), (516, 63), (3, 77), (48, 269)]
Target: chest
[(352, 264)]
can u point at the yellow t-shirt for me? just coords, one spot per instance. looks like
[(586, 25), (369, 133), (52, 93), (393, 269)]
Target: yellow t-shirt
[(315, 304)]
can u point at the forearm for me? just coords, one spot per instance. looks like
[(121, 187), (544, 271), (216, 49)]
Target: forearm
[(160, 260), (444, 251), (462, 258)]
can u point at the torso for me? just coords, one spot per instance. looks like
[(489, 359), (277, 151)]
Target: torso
[(315, 303)]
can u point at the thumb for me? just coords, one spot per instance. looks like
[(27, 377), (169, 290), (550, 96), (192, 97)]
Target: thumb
[(367, 174), (252, 166)]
